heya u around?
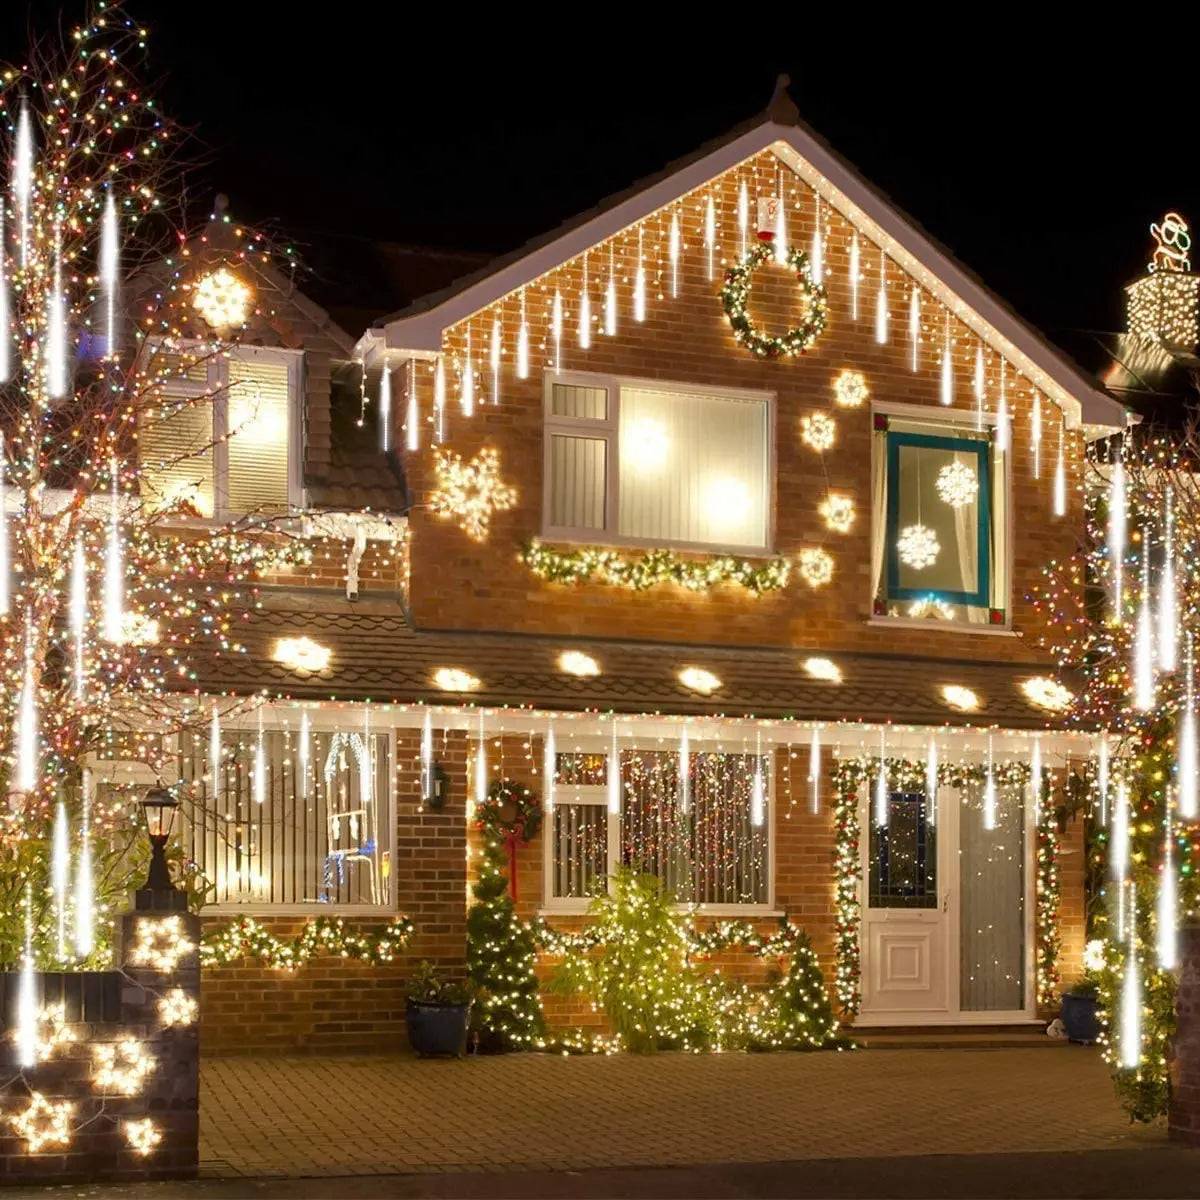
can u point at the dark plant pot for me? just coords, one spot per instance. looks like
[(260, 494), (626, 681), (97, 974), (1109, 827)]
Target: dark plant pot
[(1079, 1018), (437, 1028)]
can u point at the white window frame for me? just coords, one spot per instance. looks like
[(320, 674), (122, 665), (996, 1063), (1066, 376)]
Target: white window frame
[(216, 364), (567, 794), (608, 431), (322, 723), (967, 420)]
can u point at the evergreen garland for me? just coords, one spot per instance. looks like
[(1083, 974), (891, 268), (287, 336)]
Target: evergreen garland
[(735, 294), (324, 937)]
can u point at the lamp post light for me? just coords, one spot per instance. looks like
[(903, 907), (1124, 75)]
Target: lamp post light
[(159, 807)]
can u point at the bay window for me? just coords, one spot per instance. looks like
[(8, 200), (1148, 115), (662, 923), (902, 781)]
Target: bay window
[(643, 463), (697, 834), (940, 523), (220, 435)]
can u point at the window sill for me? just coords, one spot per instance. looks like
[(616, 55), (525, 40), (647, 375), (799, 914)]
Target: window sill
[(944, 626)]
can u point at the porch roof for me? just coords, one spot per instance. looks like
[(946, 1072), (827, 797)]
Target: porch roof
[(376, 656)]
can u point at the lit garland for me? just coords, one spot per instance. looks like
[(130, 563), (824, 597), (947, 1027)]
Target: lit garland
[(651, 569), (798, 339), (471, 491), (323, 937)]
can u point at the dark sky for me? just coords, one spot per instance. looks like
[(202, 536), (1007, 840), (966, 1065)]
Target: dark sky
[(1036, 160)]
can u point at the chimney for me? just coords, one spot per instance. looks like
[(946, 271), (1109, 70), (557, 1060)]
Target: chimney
[(1163, 305)]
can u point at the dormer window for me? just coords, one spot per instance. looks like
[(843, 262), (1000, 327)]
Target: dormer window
[(220, 436)]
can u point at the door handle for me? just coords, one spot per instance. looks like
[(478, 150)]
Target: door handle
[(945, 902)]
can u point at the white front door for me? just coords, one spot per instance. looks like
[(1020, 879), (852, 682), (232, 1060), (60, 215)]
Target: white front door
[(906, 958)]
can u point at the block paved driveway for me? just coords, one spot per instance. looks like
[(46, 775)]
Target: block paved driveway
[(339, 1117)]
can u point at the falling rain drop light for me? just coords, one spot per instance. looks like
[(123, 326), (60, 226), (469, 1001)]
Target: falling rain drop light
[(481, 768), (585, 312), (385, 409), (494, 361), (639, 285), (855, 270), (439, 399), (710, 233), (881, 305), (1168, 603), (1118, 860), (610, 299), (673, 253), (114, 569), (1168, 915), (1131, 997), (1143, 646), (1036, 782), (881, 786), (758, 792), (613, 776), (467, 393), (556, 329), (814, 770), (109, 267), (947, 388), (818, 253), (85, 903), (1118, 530), (523, 343), (989, 791), (549, 770)]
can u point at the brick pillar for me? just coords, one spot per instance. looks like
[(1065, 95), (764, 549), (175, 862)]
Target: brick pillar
[(1183, 1113)]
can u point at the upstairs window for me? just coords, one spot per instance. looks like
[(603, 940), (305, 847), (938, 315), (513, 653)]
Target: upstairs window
[(638, 463), (221, 435), (940, 522)]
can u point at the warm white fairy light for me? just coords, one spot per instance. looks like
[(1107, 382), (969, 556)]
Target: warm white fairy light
[(914, 328), (160, 943), (585, 312), (947, 383), (931, 780), (1118, 529), (814, 771), (815, 566), (22, 179), (366, 782), (176, 1007), (758, 790), (78, 613), (1131, 997), (610, 298), (1060, 478), (1047, 693), (639, 284), (1035, 780), (427, 756), (881, 786), (5, 316), (960, 697), (27, 1013), (1102, 776), (881, 305), (549, 770), (142, 1136), (43, 1123), (494, 354), (710, 233), (817, 259), (1002, 416), (989, 790), (743, 217), (957, 484), (685, 772), (260, 765), (85, 898), (1118, 855), (27, 723), (412, 418), (1168, 906), (979, 386), (303, 754), (114, 567), (556, 329), (439, 399), (467, 390), (56, 326), (613, 775), (817, 431), (918, 546), (673, 253), (60, 858), (481, 767), (855, 271), (1189, 766), (121, 1067), (110, 252), (1035, 434), (1143, 646), (385, 409), (781, 233), (523, 342), (1168, 601)]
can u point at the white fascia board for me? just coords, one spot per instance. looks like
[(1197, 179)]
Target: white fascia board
[(1081, 401)]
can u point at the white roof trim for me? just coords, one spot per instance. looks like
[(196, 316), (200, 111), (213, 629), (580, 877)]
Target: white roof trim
[(1082, 402)]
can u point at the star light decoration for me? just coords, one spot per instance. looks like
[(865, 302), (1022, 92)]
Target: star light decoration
[(850, 389), (177, 1008), (222, 299), (121, 1067), (160, 943), (52, 1032), (470, 491), (918, 546), (957, 484), (142, 1136), (817, 431), (816, 567), (838, 511), (43, 1123)]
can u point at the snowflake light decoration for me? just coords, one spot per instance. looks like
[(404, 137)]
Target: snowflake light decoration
[(121, 1067), (44, 1122), (838, 511), (816, 567), (817, 431), (918, 547), (177, 1008), (222, 299), (850, 388), (957, 484), (470, 491), (160, 944), (142, 1136)]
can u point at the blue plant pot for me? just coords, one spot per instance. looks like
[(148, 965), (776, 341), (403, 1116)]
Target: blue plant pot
[(437, 1028), (1079, 1018)]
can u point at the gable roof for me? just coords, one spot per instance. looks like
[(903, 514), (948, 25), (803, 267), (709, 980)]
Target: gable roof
[(419, 327)]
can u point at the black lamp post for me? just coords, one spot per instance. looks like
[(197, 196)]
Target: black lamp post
[(158, 891)]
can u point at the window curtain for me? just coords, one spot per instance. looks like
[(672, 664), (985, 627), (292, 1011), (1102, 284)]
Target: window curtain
[(966, 525), (999, 533)]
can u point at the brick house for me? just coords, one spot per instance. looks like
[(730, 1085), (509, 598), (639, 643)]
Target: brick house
[(720, 608)]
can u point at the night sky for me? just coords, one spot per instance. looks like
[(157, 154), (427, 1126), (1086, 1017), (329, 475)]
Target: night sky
[(1039, 165)]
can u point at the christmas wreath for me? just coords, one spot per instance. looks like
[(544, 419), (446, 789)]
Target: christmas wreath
[(734, 295), (510, 808)]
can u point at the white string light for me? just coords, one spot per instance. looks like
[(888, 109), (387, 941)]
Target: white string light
[(1060, 477), (814, 769), (1118, 522), (1188, 780), (385, 409), (85, 904), (523, 343), (1168, 603), (613, 777), (854, 274), (109, 265), (710, 233), (881, 305), (673, 253), (758, 792), (1143, 646), (947, 388), (817, 265), (1118, 856), (989, 790), (881, 785), (1035, 434), (439, 399), (1102, 775), (467, 392), (78, 614), (1002, 416), (1168, 915), (685, 772), (1131, 997), (556, 329), (60, 858), (412, 419), (585, 311), (114, 568)]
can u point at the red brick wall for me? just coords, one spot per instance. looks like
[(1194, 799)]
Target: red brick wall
[(688, 339)]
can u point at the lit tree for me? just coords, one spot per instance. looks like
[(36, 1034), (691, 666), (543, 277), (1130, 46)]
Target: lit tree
[(106, 588), (1125, 613)]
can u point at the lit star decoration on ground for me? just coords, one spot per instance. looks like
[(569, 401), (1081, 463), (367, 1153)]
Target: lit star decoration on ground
[(160, 943), (957, 484), (470, 492), (918, 547), (850, 389), (44, 1123), (817, 431)]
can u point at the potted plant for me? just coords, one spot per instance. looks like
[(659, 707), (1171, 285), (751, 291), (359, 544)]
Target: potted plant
[(437, 1013), (1079, 1011)]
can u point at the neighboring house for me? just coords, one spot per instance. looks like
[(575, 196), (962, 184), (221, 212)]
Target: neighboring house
[(833, 551)]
